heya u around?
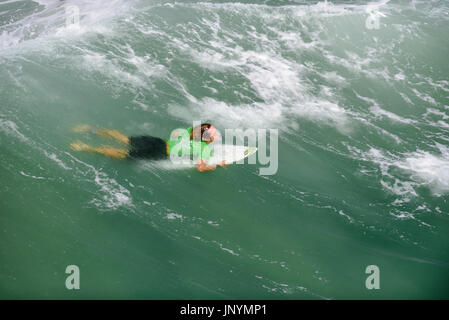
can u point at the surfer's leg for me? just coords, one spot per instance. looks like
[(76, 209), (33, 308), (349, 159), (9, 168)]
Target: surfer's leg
[(115, 134), (82, 128), (105, 133), (111, 152), (105, 150)]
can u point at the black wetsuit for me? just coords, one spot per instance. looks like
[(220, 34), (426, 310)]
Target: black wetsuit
[(147, 147)]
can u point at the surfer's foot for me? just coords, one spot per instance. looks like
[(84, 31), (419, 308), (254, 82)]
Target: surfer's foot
[(79, 146), (82, 128), (105, 133)]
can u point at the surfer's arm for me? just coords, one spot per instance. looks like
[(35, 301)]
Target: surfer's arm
[(203, 166)]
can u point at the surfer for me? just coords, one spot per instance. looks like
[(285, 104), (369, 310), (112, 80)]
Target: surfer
[(148, 147)]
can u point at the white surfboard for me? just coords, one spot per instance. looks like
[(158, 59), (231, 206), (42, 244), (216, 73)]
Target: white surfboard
[(229, 153)]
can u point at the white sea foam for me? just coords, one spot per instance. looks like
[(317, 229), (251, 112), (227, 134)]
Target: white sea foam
[(48, 22), (276, 81), (334, 77), (406, 98), (126, 70), (31, 176), (279, 81), (428, 169), (379, 112), (425, 97), (423, 168), (174, 216), (100, 63), (9, 127), (112, 194), (55, 158)]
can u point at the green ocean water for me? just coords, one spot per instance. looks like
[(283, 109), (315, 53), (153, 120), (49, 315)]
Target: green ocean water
[(363, 152)]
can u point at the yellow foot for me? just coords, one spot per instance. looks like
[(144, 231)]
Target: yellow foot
[(82, 128), (79, 146)]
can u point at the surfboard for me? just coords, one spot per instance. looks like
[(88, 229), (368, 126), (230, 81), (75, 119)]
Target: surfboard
[(229, 153)]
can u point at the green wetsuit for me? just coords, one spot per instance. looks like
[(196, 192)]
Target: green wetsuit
[(183, 145)]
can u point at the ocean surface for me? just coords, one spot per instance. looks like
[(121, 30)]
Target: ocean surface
[(359, 94)]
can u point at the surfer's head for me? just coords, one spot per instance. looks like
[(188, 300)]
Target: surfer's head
[(205, 132)]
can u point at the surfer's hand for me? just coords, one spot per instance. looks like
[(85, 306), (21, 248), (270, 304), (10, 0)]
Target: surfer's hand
[(222, 164), (202, 166)]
